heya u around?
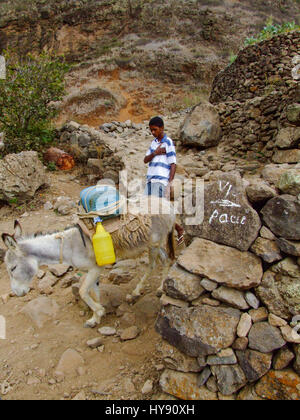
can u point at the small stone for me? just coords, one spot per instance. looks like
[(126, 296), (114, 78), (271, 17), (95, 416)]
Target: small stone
[(276, 321), (244, 325), (94, 343), (259, 315), (252, 300), (223, 357), (241, 343), (167, 300), (107, 331), (203, 376), (148, 387), (283, 358), (130, 333), (208, 285)]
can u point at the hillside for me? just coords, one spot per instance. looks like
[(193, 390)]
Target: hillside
[(134, 59)]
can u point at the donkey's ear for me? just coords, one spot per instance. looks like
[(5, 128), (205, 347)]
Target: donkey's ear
[(9, 241), (18, 229)]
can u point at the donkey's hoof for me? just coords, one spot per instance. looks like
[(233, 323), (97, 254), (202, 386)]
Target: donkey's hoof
[(91, 323)]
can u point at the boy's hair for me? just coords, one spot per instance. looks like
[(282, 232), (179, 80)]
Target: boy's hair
[(157, 122)]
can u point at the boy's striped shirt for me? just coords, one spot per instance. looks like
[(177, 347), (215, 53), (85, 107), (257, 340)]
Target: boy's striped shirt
[(159, 167)]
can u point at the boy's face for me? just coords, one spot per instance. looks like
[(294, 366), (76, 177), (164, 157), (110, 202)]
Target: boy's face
[(156, 132)]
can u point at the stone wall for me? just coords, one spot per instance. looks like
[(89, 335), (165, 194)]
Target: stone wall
[(232, 299), (254, 97), (91, 148), (257, 69)]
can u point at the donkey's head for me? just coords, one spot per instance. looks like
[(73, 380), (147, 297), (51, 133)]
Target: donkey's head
[(21, 267)]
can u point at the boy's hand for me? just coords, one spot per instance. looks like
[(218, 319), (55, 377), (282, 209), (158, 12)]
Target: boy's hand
[(160, 150)]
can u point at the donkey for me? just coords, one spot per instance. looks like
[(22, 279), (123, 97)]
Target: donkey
[(73, 246)]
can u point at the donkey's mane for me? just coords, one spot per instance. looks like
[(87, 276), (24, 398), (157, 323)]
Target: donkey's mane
[(41, 233)]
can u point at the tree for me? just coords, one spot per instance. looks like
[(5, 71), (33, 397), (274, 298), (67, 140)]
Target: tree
[(31, 84)]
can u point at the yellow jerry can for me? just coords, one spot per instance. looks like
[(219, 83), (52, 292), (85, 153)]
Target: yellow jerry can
[(103, 246)]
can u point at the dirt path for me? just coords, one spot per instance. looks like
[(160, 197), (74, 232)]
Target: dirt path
[(29, 355)]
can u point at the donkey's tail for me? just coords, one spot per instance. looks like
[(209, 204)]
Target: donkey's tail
[(171, 244)]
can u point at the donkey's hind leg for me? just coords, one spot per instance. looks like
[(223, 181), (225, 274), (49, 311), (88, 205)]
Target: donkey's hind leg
[(154, 251), (89, 284)]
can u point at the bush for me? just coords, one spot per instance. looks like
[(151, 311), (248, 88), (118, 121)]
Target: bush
[(31, 84), (271, 29)]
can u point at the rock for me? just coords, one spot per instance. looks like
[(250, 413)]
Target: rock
[(111, 296), (266, 249), (287, 137), (260, 191), (119, 276), (222, 264), (289, 247), (184, 386), (64, 205), (296, 364), (276, 321), (248, 394), (252, 300), (283, 358), (241, 343), (80, 396), (147, 387), (265, 338), (181, 284), (289, 182), (230, 378), (272, 172), (280, 292), (293, 113), (279, 385), (94, 343), (167, 300), (107, 331), (231, 296), (41, 310), (223, 357), (59, 270), (20, 176), (290, 335), (69, 362), (208, 285), (227, 217), (176, 360), (267, 234), (282, 215), (203, 376), (201, 127), (198, 331), (254, 363), (258, 315), (286, 156), (130, 333), (244, 325), (46, 284)]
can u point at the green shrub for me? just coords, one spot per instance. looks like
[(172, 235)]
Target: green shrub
[(271, 29), (31, 84)]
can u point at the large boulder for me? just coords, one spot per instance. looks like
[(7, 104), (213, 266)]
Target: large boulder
[(228, 217), (198, 331), (222, 264), (282, 215), (20, 176), (201, 127)]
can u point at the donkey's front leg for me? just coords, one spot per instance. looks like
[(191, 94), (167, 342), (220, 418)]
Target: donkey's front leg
[(88, 284)]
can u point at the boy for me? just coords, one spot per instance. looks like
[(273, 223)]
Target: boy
[(161, 157)]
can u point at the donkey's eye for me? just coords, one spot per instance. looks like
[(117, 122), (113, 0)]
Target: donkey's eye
[(13, 269)]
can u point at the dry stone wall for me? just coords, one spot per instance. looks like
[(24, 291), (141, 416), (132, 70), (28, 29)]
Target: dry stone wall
[(258, 97), (231, 301)]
